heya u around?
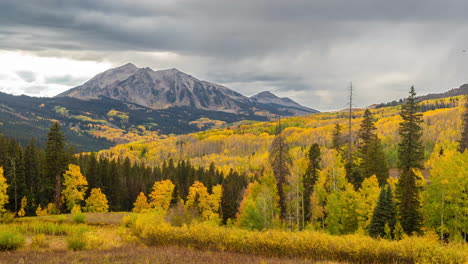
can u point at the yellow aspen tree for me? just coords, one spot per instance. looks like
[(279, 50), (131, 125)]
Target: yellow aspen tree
[(75, 186), (141, 203), (368, 196), (199, 199), (215, 202), (161, 195), (97, 202), (3, 192), (24, 202)]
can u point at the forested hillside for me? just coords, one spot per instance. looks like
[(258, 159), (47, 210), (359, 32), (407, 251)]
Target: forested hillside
[(246, 147)]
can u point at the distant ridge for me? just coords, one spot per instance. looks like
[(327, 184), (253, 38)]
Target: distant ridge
[(462, 90)]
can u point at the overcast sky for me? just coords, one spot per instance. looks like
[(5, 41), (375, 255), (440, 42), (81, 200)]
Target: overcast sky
[(303, 49)]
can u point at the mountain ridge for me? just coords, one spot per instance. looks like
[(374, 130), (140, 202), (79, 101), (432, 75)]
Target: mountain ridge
[(167, 88)]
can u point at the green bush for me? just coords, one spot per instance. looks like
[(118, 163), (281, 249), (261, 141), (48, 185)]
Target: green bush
[(11, 239), (77, 240), (61, 218), (79, 218)]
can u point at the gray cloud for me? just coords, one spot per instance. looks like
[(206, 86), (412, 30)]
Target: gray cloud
[(308, 50), (65, 80), (27, 76)]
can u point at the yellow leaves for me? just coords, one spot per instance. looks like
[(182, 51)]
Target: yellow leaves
[(161, 195), (3, 191), (368, 196), (40, 211), (75, 186), (97, 202), (205, 204), (24, 202), (141, 204)]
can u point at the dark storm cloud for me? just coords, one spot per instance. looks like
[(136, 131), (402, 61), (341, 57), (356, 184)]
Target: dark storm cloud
[(294, 45)]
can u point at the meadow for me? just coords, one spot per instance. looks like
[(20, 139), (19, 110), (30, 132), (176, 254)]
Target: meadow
[(149, 238)]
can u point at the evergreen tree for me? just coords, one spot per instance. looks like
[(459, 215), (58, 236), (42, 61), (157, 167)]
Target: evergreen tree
[(33, 175), (92, 172), (233, 189), (337, 138), (56, 164), (279, 160), (410, 157), (384, 214), (311, 177), (370, 152), (464, 134)]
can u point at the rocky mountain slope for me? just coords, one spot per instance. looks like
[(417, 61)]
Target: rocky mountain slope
[(172, 88)]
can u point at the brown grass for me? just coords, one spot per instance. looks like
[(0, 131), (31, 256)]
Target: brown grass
[(130, 254)]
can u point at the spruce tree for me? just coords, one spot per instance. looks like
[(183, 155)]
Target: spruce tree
[(384, 214), (311, 176), (337, 138), (32, 175), (410, 157), (56, 163), (464, 133), (233, 189), (370, 151)]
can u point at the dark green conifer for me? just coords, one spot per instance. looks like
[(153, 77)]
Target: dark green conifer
[(410, 157), (56, 163), (311, 176)]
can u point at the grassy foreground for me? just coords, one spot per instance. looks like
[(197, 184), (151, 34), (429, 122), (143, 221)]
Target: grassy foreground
[(147, 238), (134, 254)]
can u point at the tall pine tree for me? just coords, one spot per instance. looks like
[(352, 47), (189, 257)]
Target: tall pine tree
[(311, 176), (56, 163), (370, 152), (410, 157), (337, 138), (384, 214)]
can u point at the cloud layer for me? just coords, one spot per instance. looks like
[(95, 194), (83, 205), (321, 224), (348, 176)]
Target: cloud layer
[(306, 50)]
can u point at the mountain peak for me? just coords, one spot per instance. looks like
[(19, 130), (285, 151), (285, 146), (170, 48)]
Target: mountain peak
[(173, 88), (268, 98), (264, 94)]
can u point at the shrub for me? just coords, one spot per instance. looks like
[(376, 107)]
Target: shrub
[(79, 218), (7, 217), (128, 220), (305, 244), (11, 239), (77, 240), (61, 218), (39, 241)]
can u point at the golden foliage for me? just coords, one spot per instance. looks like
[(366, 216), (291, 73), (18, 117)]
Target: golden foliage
[(40, 211), (24, 202), (141, 204), (3, 191), (97, 202), (207, 205), (75, 186), (161, 195), (305, 244)]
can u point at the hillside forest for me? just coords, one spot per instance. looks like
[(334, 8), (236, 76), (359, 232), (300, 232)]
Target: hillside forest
[(397, 171)]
